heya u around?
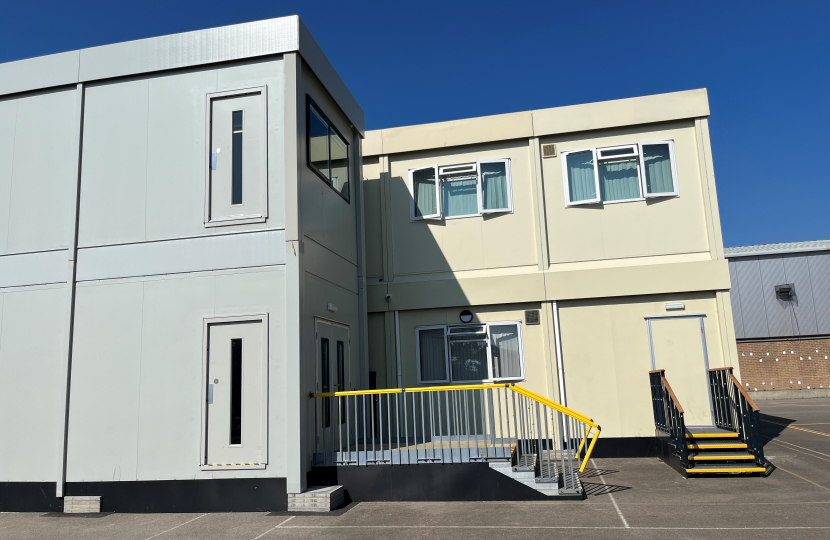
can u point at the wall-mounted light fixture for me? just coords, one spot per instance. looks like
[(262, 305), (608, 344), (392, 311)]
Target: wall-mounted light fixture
[(466, 316), (331, 307)]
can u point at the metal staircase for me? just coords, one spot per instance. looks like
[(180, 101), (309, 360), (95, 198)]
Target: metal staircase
[(732, 446)]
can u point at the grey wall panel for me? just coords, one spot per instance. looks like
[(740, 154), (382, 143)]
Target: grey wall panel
[(219, 252), (819, 264), (170, 415), (176, 154), (779, 315), (170, 421), (8, 118), (273, 36), (753, 313), (32, 334), (324, 264), (114, 173), (44, 173), (106, 375), (735, 294), (803, 309), (39, 268), (41, 72)]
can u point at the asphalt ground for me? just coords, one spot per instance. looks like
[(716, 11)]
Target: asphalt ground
[(627, 498)]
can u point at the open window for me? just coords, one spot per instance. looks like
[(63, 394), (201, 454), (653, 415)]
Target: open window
[(486, 352), (424, 196), (619, 173), (459, 191), (659, 169)]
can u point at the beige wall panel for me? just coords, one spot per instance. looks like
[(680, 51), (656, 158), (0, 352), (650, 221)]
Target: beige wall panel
[(532, 339), (377, 347), (606, 357), (637, 280), (631, 229), (372, 209), (465, 292), (458, 132), (325, 216), (490, 241)]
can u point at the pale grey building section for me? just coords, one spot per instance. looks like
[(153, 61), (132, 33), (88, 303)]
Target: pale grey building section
[(756, 270)]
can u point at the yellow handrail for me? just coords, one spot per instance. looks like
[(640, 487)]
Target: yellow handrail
[(518, 389)]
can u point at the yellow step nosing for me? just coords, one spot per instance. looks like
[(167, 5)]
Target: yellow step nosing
[(729, 446), (734, 470), (704, 456), (712, 435)]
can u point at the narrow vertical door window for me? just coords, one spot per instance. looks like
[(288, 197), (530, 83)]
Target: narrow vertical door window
[(341, 374), (325, 386), (236, 391), (236, 187)]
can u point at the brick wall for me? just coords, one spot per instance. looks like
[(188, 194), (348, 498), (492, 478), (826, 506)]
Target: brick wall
[(785, 365)]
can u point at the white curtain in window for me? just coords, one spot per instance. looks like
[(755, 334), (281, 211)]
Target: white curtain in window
[(460, 197), (504, 347), (431, 346), (494, 186), (581, 183), (618, 180), (468, 360), (423, 186), (657, 158)]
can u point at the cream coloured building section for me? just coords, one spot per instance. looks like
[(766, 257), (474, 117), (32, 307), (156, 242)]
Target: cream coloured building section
[(600, 268)]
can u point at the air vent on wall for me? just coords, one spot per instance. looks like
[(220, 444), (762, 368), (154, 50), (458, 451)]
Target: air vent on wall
[(549, 150), (532, 317)]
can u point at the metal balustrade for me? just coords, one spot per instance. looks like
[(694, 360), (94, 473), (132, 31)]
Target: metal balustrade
[(736, 411), (454, 424), (669, 419)]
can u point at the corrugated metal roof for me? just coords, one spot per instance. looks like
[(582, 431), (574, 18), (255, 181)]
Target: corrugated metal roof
[(773, 249)]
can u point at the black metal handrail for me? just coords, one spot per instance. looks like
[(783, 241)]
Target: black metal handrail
[(668, 415), (735, 411)]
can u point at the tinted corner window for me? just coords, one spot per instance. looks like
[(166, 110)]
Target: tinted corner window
[(328, 151)]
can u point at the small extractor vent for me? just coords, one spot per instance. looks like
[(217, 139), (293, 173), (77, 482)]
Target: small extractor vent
[(549, 150), (532, 316)]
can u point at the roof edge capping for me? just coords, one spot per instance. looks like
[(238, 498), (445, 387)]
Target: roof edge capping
[(777, 249)]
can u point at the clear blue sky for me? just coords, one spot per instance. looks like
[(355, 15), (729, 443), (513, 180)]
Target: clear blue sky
[(766, 65)]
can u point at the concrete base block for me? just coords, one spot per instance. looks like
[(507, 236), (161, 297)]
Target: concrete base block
[(790, 394), (81, 505), (316, 499)]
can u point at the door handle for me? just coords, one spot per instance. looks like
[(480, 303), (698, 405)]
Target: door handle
[(210, 394), (213, 161)]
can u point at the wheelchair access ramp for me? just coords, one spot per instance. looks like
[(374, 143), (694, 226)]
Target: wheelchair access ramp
[(451, 432)]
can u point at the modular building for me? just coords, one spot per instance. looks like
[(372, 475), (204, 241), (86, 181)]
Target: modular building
[(583, 243), (180, 222), (217, 290)]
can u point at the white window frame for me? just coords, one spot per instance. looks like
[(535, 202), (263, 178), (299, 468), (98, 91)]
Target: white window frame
[(412, 215), (646, 194), (210, 221), (634, 154), (481, 209), (448, 367), (473, 171), (446, 353), (566, 183)]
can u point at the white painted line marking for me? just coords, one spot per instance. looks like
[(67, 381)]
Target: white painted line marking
[(552, 527), (176, 527), (803, 448), (274, 528), (613, 500)]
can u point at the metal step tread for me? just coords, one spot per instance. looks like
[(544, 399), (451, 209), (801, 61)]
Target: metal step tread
[(712, 434), (724, 468), (716, 445), (722, 456)]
